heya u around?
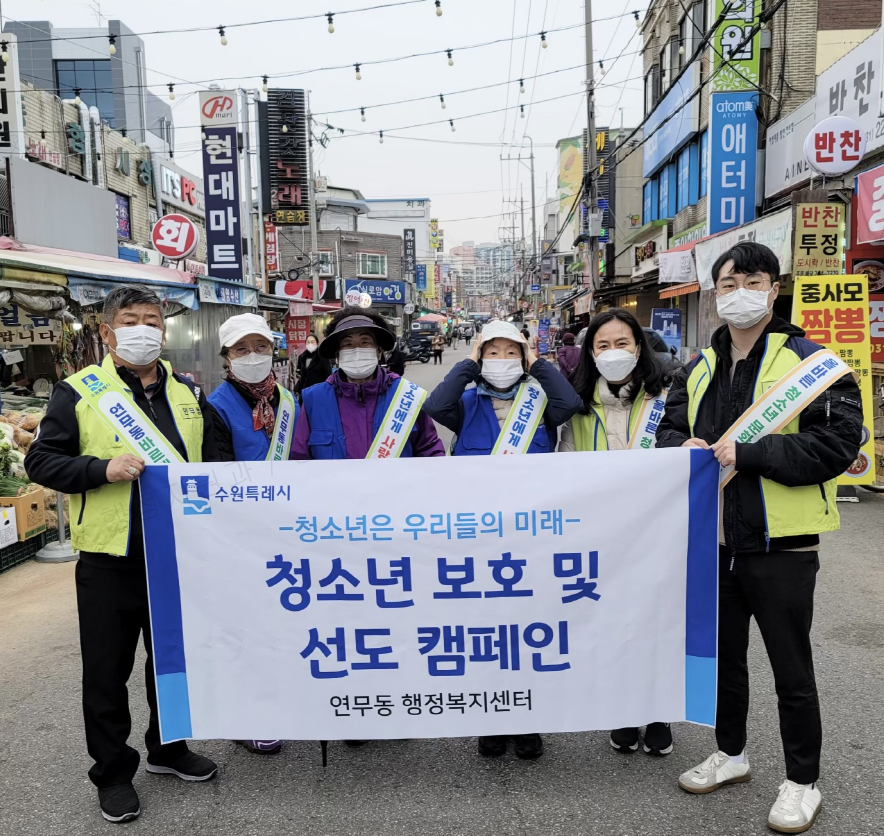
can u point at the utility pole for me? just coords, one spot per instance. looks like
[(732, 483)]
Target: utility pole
[(591, 188), (311, 191)]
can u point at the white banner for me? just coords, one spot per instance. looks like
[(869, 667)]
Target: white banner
[(329, 600)]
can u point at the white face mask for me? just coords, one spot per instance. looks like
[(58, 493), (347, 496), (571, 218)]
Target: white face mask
[(253, 368), (743, 308), (139, 345), (358, 362), (616, 364), (311, 347), (502, 374)]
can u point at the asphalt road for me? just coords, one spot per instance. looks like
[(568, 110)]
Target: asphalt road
[(442, 787)]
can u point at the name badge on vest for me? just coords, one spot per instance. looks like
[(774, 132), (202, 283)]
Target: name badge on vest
[(525, 415), (645, 435), (784, 400), (115, 407), (393, 433), (284, 428)]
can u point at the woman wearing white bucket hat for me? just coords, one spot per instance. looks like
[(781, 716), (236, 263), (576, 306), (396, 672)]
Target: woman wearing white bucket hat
[(516, 406)]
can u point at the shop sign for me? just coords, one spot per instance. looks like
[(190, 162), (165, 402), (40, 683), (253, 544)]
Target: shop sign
[(175, 236), (145, 172), (410, 252), (381, 292), (181, 190), (583, 304), (297, 329), (675, 132), (196, 268), (735, 60), (284, 165), (227, 294), (733, 142), (434, 233), (420, 277), (302, 289), (785, 165), (123, 164), (223, 227), (876, 324), (218, 109), (834, 312), (124, 229), (11, 115), (644, 257), (835, 146), (20, 327), (39, 151), (271, 249), (689, 236), (677, 267), (76, 138), (870, 206), (819, 237)]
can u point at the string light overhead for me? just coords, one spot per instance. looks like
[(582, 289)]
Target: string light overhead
[(285, 128), (442, 99), (331, 23), (438, 8), (358, 73), (522, 111), (602, 67), (264, 87), (362, 113), (451, 122), (450, 59), (171, 91), (521, 85), (77, 99), (112, 44), (381, 135), (638, 22), (543, 42), (223, 36)]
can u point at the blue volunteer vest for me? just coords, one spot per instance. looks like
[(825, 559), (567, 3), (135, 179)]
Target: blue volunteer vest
[(480, 429), (249, 444), (327, 440)]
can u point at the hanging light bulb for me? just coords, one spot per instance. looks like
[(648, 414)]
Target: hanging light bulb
[(77, 99), (522, 110), (125, 138), (381, 135), (265, 79), (362, 112), (43, 134), (681, 49), (451, 122), (442, 99), (223, 36), (438, 8), (112, 44), (638, 22), (4, 45), (331, 23), (171, 92), (521, 85), (543, 42), (358, 73), (450, 59), (285, 129), (203, 136), (602, 67)]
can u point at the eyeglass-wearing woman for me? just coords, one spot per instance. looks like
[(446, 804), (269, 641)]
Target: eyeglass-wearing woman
[(500, 363), (620, 383), (258, 416)]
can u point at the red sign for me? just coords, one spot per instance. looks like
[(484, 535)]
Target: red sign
[(175, 236), (271, 249), (301, 289), (835, 145), (297, 329), (217, 105), (870, 205)]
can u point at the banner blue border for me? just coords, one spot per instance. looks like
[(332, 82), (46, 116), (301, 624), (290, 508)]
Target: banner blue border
[(165, 604), (701, 615)]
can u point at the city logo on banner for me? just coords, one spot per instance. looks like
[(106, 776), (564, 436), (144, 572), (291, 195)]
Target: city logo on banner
[(195, 495)]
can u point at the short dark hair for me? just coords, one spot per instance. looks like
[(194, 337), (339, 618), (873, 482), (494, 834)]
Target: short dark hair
[(127, 296), (648, 371), (748, 257)]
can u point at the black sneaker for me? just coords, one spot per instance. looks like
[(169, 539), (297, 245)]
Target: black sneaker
[(119, 803), (355, 744), (625, 740), (189, 767), (528, 747), (658, 739), (493, 746)]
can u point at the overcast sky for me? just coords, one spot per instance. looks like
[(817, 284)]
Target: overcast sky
[(461, 172)]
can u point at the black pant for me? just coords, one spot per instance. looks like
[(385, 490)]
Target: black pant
[(777, 588), (437, 355), (112, 605)]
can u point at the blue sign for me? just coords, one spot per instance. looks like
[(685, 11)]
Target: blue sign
[(420, 277), (223, 226), (535, 288), (543, 336), (381, 292), (679, 129), (733, 139), (667, 323)]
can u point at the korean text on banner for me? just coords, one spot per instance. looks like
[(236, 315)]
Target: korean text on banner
[(380, 614), (733, 140), (733, 45), (834, 312), (819, 239)]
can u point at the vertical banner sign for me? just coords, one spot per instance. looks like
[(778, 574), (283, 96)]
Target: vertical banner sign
[(603, 181), (434, 233), (12, 138), (876, 324), (271, 249), (543, 336), (284, 162), (667, 322), (834, 312), (741, 72), (410, 254), (870, 206), (819, 239), (218, 115), (734, 142), (420, 277), (297, 329)]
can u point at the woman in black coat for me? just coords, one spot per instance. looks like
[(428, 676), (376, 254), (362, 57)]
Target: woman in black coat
[(312, 368)]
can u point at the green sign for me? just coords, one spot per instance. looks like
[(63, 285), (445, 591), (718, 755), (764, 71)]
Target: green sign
[(735, 64)]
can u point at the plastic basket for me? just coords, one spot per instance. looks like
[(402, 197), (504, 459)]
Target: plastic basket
[(20, 552)]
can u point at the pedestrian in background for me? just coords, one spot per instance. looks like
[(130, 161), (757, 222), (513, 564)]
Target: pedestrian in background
[(438, 348), (782, 497), (616, 376), (312, 367), (498, 365), (568, 356), (76, 452), (455, 336)]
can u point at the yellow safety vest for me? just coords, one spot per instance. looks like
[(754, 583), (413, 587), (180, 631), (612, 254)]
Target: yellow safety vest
[(590, 431), (100, 518)]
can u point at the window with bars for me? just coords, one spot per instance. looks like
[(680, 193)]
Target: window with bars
[(371, 265)]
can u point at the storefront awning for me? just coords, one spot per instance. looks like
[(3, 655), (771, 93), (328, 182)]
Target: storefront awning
[(94, 291), (680, 290)]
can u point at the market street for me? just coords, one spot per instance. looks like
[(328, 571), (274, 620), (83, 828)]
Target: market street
[(441, 786)]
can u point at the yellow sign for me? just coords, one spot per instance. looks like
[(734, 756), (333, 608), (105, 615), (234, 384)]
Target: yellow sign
[(834, 312), (430, 292), (819, 239), (434, 233)]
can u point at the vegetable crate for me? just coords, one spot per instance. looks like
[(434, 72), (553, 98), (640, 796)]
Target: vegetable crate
[(20, 552)]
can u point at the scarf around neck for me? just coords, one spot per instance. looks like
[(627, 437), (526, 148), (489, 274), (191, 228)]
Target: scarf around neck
[(262, 414)]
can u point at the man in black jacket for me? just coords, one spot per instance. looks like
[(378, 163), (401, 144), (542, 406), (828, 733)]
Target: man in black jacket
[(773, 510), (77, 453)]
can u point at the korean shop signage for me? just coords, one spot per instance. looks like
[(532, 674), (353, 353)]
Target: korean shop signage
[(835, 146), (819, 236), (181, 189), (736, 50), (223, 227), (733, 147), (284, 164)]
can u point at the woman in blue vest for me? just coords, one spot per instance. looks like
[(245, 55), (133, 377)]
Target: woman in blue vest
[(500, 362), (258, 416), (617, 376)]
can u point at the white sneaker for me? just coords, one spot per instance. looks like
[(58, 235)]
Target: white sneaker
[(716, 771), (795, 809)]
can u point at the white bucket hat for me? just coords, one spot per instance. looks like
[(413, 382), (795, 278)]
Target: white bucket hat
[(241, 325), (499, 328)]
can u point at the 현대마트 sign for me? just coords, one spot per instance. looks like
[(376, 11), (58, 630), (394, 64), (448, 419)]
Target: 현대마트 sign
[(376, 613)]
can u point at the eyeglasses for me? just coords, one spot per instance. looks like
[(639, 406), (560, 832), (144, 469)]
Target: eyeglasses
[(244, 350), (727, 286)]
